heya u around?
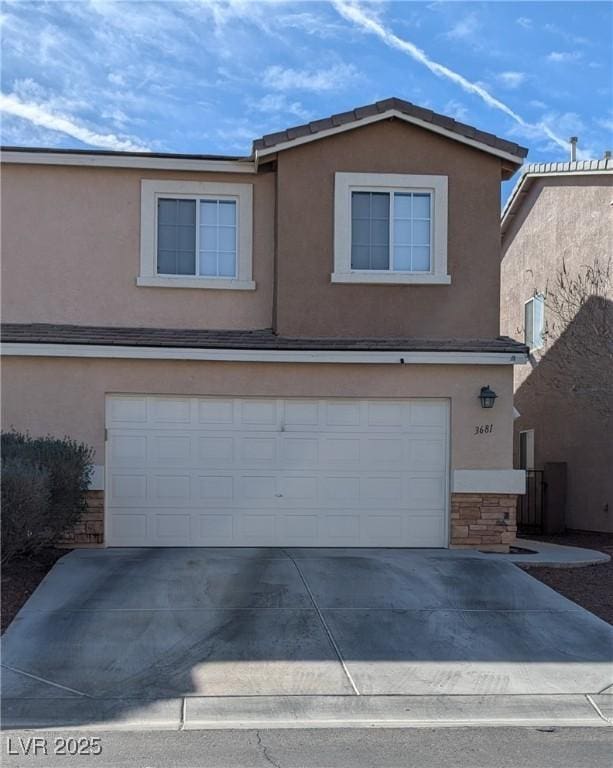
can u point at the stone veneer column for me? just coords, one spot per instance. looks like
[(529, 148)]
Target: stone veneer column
[(483, 520), (89, 531)]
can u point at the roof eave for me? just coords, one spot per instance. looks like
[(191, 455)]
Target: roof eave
[(514, 160)]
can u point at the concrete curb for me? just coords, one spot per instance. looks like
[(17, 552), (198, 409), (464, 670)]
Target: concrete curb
[(548, 555), (252, 712)]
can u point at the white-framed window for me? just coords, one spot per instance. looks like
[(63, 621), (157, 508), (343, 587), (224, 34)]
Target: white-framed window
[(196, 235), (534, 321), (390, 228)]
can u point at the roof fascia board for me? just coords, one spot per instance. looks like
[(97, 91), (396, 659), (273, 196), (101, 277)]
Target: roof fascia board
[(260, 153), (23, 349), (125, 161)]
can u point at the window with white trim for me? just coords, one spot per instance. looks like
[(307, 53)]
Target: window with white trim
[(534, 321), (196, 235), (390, 228)]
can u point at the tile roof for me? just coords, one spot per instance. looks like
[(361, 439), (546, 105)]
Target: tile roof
[(272, 140), (535, 170), (42, 333)]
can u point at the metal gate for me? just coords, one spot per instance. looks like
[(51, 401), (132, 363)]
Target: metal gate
[(531, 507)]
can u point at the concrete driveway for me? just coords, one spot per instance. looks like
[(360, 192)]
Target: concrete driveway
[(176, 632)]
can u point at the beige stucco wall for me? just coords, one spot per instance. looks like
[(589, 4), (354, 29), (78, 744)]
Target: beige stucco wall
[(71, 252), (561, 218), (308, 303), (66, 395)]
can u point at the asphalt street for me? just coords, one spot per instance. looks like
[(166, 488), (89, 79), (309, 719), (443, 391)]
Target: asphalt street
[(334, 748)]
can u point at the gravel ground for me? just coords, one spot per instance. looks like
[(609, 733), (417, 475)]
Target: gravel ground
[(590, 586), (21, 576)]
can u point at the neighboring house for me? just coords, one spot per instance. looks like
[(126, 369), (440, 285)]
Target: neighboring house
[(284, 349), (561, 214)]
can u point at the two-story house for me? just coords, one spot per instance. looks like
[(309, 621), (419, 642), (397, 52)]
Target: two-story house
[(557, 225), (298, 348)]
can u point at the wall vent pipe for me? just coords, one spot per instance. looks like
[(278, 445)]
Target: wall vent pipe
[(573, 148)]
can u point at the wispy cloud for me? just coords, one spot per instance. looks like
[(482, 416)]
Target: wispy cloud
[(456, 109), (38, 115), (524, 21), (356, 14), (563, 57), (511, 79), (278, 104), (465, 28), (316, 80)]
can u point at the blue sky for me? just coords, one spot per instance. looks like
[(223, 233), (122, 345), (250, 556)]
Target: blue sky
[(208, 77)]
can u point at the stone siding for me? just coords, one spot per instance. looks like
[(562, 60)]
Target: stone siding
[(89, 531), (483, 520)]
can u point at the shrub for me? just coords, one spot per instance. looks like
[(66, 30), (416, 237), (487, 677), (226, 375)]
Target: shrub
[(63, 467), (25, 505)]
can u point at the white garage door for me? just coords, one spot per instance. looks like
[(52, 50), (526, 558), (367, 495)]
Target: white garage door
[(209, 471)]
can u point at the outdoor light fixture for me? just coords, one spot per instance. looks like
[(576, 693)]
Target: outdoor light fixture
[(487, 397)]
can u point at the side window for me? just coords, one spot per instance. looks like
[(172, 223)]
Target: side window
[(196, 235), (534, 322)]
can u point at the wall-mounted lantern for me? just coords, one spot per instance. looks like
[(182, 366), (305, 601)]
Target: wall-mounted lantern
[(487, 397)]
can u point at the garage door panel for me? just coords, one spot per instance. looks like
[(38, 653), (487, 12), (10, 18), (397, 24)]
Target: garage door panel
[(170, 411), (256, 451), (215, 529), (216, 451), (426, 492), (215, 413), (128, 450), (218, 487), (259, 413), (387, 453), (127, 489), (299, 452), (301, 413), (388, 415), (126, 410), (257, 472)]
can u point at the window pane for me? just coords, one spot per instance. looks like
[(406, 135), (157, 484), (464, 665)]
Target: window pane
[(528, 324), (402, 232), (402, 258), (380, 205), (360, 257), (360, 205), (420, 259), (208, 263), (186, 263), (167, 237), (167, 211), (227, 264), (539, 321), (370, 230), (227, 239), (186, 239), (208, 212), (208, 238), (186, 213), (176, 237), (379, 232), (360, 232), (421, 233), (167, 263), (402, 206), (421, 206), (227, 212), (379, 257)]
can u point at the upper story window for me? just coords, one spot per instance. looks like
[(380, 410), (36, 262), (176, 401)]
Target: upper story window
[(196, 235), (534, 322), (390, 228)]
